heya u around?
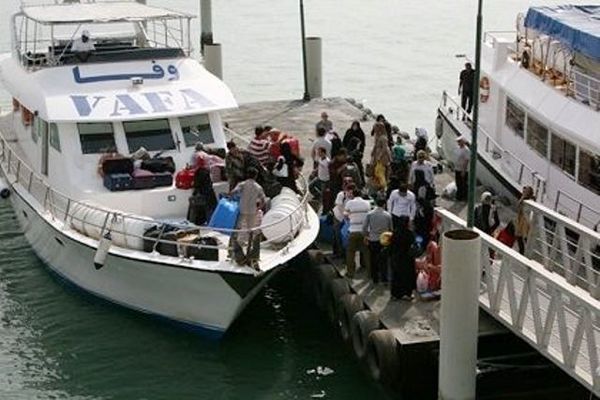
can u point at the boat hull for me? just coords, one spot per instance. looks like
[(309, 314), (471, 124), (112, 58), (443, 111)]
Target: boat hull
[(204, 301)]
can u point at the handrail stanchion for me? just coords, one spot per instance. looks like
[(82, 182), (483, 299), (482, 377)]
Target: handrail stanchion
[(30, 181), (68, 209)]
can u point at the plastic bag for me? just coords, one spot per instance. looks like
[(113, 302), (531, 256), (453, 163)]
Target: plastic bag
[(422, 282)]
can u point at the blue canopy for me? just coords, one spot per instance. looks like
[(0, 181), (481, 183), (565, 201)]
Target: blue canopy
[(577, 27)]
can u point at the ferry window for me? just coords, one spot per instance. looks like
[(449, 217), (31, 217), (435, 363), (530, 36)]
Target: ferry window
[(563, 154), (515, 117), (589, 171), (35, 129), (152, 135), (537, 136), (54, 139), (196, 129), (96, 137)]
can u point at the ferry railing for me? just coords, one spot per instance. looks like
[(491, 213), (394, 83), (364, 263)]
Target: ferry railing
[(585, 88), (573, 208), (564, 247), (559, 320), (65, 209), (516, 168)]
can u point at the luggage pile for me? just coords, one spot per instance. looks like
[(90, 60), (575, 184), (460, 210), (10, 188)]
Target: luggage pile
[(202, 160), (176, 242), (122, 173)]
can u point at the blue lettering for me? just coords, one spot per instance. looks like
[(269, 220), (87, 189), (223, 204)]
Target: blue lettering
[(84, 108), (159, 101), (124, 102), (194, 99)]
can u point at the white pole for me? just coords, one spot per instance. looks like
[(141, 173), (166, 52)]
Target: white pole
[(206, 24), (461, 254), (314, 61), (212, 59)]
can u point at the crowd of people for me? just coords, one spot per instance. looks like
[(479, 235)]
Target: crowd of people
[(380, 205)]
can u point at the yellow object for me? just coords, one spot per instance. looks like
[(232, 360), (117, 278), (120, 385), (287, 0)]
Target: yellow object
[(385, 239), (380, 175)]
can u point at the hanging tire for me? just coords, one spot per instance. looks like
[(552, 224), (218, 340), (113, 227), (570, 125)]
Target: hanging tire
[(363, 323), (337, 288), (348, 305), (325, 273), (382, 358)]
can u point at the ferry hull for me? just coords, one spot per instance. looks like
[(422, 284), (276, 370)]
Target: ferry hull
[(206, 302)]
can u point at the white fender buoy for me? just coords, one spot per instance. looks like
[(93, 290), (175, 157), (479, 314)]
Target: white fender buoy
[(102, 251), (439, 127), (4, 189)]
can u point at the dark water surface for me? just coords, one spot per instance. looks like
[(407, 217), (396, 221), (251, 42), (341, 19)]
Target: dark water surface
[(56, 343)]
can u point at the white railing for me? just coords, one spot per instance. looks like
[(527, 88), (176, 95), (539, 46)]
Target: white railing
[(565, 204), (559, 320), (516, 169), (62, 208), (586, 88), (564, 247)]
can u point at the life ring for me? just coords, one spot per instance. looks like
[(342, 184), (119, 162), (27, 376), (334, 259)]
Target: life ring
[(363, 323), (484, 89), (348, 305), (382, 358), (338, 288)]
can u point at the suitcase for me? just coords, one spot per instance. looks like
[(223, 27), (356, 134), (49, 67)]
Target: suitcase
[(142, 179), (185, 178), (217, 173), (325, 229), (118, 182), (159, 165), (163, 179), (294, 145), (117, 166), (168, 233), (203, 253), (225, 215)]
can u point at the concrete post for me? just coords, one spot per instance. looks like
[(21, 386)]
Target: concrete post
[(212, 59), (206, 36), (314, 61), (461, 252)]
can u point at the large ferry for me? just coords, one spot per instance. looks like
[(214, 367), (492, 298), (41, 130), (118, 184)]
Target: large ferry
[(95, 81), (539, 110)]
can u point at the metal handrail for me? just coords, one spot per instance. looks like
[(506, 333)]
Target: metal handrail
[(493, 148), (50, 199), (577, 215)]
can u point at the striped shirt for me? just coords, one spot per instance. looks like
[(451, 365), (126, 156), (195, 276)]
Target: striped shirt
[(259, 148)]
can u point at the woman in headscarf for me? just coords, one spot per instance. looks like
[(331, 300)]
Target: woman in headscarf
[(381, 157), (404, 278)]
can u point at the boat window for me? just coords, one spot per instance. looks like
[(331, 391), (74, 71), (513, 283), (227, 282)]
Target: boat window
[(54, 139), (563, 154), (589, 171), (537, 136), (196, 129), (34, 129), (515, 117), (96, 137), (152, 135)]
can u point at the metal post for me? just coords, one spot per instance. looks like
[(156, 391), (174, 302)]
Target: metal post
[(459, 316), (306, 96), (206, 36), (473, 160)]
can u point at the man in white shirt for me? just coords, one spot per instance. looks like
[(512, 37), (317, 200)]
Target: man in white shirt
[(321, 174), (356, 211), (338, 216), (320, 142), (83, 46), (461, 168), (402, 203), (421, 164)]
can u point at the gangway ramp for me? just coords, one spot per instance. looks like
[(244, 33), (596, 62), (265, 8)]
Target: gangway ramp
[(559, 319)]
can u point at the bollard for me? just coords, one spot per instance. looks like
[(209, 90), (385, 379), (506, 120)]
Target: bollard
[(206, 37), (212, 59), (459, 317), (314, 73)]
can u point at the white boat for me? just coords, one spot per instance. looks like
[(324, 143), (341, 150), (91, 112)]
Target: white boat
[(539, 123), (139, 87)]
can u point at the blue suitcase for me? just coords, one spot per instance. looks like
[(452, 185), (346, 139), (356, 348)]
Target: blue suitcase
[(118, 182), (163, 179), (225, 215), (325, 229)]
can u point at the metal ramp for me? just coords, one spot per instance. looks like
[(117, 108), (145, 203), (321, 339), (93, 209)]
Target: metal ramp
[(553, 309)]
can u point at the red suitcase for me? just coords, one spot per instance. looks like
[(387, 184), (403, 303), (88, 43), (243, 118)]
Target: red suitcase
[(185, 178), (294, 145)]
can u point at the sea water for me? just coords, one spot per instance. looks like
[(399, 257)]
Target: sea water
[(394, 56)]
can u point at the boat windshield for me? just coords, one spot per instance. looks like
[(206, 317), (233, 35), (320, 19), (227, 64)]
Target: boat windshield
[(196, 129), (153, 135)]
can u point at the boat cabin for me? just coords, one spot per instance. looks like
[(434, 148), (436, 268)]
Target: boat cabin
[(135, 90)]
